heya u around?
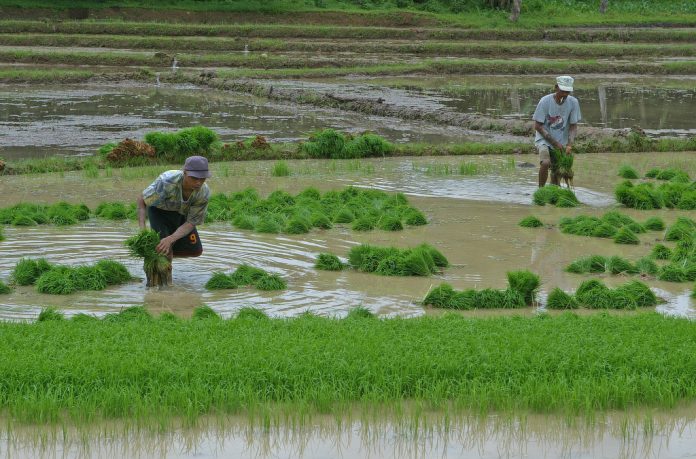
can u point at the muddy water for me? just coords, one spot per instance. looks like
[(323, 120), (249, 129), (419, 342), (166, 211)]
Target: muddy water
[(473, 220), (40, 121), (646, 434)]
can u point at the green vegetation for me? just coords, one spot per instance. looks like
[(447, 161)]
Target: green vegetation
[(593, 294), (63, 280), (328, 262), (28, 270), (61, 213), (558, 299), (4, 288), (627, 172), (647, 196), (521, 292), (280, 169), (246, 276), (654, 224), (615, 225), (530, 222), (682, 229), (661, 252), (157, 267), (423, 260), (555, 195), (330, 143), (626, 236), (175, 147)]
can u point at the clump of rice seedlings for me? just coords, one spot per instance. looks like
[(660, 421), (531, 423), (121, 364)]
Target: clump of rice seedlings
[(112, 211), (592, 294), (438, 258), (489, 298), (604, 230), (84, 318), (297, 225), (365, 223), (464, 300), (555, 195), (423, 260), (244, 221), (248, 312), (440, 296), (635, 227), (414, 217), (627, 172), (643, 196), (247, 275), (319, 220), (328, 262), (592, 264), (661, 252), (24, 220), (4, 288), (2, 235), (626, 236), (682, 228), (673, 175), (530, 222), (204, 312), (114, 272), (558, 299), (687, 201), (618, 265), (280, 169), (646, 266), (86, 278), (639, 293), (673, 272), (50, 314), (344, 215), (580, 226), (27, 270), (271, 282), (360, 312), (390, 223), (157, 267), (654, 224), (653, 173), (220, 281), (130, 314), (269, 225), (418, 262), (526, 283), (684, 250), (57, 281)]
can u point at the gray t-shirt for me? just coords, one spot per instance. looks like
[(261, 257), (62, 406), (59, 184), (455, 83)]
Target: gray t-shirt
[(556, 118)]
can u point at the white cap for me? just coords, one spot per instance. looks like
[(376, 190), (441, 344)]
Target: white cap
[(565, 83)]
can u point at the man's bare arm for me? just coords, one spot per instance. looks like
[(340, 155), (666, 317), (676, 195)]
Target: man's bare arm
[(539, 127), (142, 211), (165, 245)]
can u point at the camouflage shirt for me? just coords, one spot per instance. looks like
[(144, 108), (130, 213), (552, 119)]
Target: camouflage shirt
[(166, 193)]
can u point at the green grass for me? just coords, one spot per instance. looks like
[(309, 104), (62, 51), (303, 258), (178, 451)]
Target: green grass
[(158, 370), (280, 169), (328, 262), (530, 222), (423, 260), (246, 276)]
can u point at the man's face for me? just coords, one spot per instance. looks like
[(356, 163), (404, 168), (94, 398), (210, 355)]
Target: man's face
[(561, 95), (192, 183)]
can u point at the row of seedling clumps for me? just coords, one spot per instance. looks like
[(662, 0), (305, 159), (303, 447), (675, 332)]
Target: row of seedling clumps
[(364, 210), (556, 196), (422, 260), (522, 290), (62, 280), (63, 213), (679, 192), (246, 276)]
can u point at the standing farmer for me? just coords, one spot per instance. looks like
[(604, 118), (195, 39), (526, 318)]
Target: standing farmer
[(556, 124), (176, 202)]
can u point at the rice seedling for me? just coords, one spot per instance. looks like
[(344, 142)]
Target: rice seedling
[(157, 267), (617, 219), (114, 211), (319, 220), (592, 294), (271, 282), (360, 313), (627, 172), (390, 223), (220, 281), (617, 265), (440, 296), (684, 251), (562, 166), (626, 236), (27, 270), (205, 312), (604, 230), (643, 196), (414, 217), (50, 314), (328, 262), (580, 226), (4, 288), (654, 224), (297, 225), (113, 271), (247, 275), (57, 281), (683, 228), (423, 260), (555, 195), (249, 313), (639, 293), (526, 283), (365, 223), (268, 224), (687, 200), (86, 278), (469, 168), (647, 267), (592, 264), (558, 299), (130, 314), (244, 221), (530, 222), (489, 298), (661, 252), (673, 272), (280, 169)]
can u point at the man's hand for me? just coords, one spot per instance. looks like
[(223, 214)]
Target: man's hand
[(568, 149), (164, 246)]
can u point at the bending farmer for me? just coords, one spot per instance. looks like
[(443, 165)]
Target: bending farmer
[(556, 124), (175, 203)]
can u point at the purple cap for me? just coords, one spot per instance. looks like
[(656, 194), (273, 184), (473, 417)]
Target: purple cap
[(197, 166)]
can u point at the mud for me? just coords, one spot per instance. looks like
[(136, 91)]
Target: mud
[(473, 220)]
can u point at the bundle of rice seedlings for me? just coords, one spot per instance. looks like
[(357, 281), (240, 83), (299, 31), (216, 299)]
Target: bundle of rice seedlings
[(27, 270), (438, 258), (271, 282), (414, 217), (684, 250), (297, 225), (562, 166), (243, 221), (654, 224), (247, 275), (268, 224), (582, 225), (465, 300), (643, 196), (157, 267), (319, 220), (530, 222), (604, 230), (489, 298), (390, 223), (57, 281), (360, 312), (661, 252), (639, 293), (130, 314), (417, 262), (524, 282), (636, 227), (618, 265), (114, 272), (647, 266), (627, 172), (4, 288), (112, 211), (558, 299), (204, 312), (617, 219), (365, 223), (393, 264), (592, 294), (87, 278), (673, 193), (344, 215), (673, 174), (248, 312), (363, 258), (84, 318), (652, 173), (544, 195), (280, 169), (687, 201), (440, 296), (328, 262), (24, 220), (682, 228), (50, 314), (591, 264), (220, 281), (626, 236), (673, 272)]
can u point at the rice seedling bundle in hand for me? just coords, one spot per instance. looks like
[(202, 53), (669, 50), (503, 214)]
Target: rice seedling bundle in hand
[(157, 267), (562, 166), (530, 222), (328, 262), (558, 299), (627, 172)]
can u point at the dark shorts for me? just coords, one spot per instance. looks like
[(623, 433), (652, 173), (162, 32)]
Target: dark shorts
[(165, 222)]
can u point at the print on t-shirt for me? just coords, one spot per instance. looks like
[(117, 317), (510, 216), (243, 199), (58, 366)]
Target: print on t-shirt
[(555, 122)]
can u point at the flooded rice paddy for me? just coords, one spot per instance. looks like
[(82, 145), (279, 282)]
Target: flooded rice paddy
[(473, 220)]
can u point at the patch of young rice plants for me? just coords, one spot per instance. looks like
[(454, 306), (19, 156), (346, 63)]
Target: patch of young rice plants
[(297, 225), (4, 288), (643, 196), (28, 270), (654, 224), (205, 312), (558, 299), (360, 313), (364, 223), (57, 281), (592, 264), (130, 314), (526, 283), (247, 313), (626, 236), (617, 265), (530, 222), (116, 211), (627, 172), (50, 315), (647, 267), (555, 195), (683, 228), (661, 252), (271, 282), (594, 294), (114, 272), (519, 295), (280, 169), (220, 281), (423, 260), (328, 262), (247, 275)]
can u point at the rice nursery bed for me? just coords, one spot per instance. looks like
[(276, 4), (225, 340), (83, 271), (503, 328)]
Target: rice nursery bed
[(156, 369)]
